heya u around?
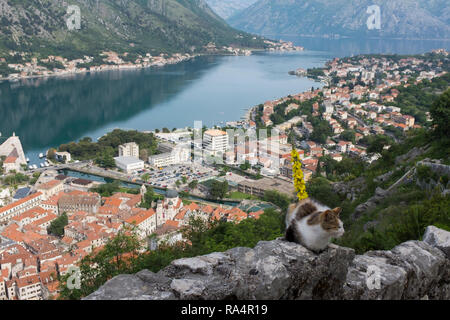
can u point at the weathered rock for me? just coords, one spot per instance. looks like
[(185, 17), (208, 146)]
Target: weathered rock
[(283, 270), (438, 238), (409, 271), (411, 155), (374, 278)]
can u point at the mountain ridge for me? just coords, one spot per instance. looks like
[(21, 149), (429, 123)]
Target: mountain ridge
[(228, 8), (399, 18), (153, 26)]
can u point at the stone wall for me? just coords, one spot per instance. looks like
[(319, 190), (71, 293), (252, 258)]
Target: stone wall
[(283, 270)]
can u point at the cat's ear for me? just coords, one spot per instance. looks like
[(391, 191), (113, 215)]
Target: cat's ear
[(337, 211), (291, 208), (327, 215)]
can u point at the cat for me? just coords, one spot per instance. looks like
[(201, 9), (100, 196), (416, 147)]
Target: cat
[(313, 225)]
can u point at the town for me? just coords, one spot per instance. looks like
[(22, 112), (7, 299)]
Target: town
[(50, 219), (18, 65)]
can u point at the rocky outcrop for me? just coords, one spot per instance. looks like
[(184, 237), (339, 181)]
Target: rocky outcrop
[(410, 155), (371, 203), (438, 178), (283, 270), (228, 8), (352, 189)]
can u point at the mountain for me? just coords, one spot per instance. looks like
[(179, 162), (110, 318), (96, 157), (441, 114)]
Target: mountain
[(228, 8), (120, 25), (399, 18)]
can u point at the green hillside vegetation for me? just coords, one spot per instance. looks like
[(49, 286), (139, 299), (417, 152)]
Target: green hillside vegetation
[(415, 100), (107, 146), (136, 26), (407, 210)]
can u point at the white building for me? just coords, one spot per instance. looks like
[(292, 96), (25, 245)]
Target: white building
[(13, 151), (215, 142), (328, 106), (5, 196), (130, 149), (178, 155), (129, 164), (29, 288), (20, 206), (145, 222), (63, 156), (50, 188)]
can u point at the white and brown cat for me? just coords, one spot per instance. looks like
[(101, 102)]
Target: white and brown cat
[(313, 225)]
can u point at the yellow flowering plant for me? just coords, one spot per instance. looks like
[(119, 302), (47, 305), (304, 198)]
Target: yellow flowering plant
[(299, 182)]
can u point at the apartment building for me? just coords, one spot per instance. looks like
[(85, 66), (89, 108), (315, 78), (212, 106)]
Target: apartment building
[(259, 187), (177, 155), (20, 206), (215, 142), (29, 288), (130, 149), (50, 188), (72, 203)]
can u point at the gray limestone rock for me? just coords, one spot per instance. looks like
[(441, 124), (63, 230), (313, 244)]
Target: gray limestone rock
[(279, 269)]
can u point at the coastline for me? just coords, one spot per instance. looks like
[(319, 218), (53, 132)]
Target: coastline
[(245, 52), (110, 68)]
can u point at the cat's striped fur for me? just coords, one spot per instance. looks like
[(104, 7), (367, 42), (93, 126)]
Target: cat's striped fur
[(312, 224)]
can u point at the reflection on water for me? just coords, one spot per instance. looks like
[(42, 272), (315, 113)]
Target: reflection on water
[(55, 110), (51, 111), (349, 46)]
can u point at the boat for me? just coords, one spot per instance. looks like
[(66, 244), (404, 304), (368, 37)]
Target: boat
[(41, 155), (28, 159), (41, 165)]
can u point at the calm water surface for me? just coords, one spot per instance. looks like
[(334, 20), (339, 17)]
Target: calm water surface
[(213, 89)]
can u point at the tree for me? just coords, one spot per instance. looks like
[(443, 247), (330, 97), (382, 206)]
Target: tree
[(35, 178), (219, 189), (321, 189), (245, 166), (277, 198), (348, 135), (107, 189), (106, 161), (51, 154), (440, 112), (15, 178), (143, 154), (376, 143), (322, 130), (57, 226), (116, 257), (193, 184), (148, 198)]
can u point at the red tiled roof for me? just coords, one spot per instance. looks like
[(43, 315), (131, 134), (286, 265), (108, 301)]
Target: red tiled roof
[(21, 201)]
